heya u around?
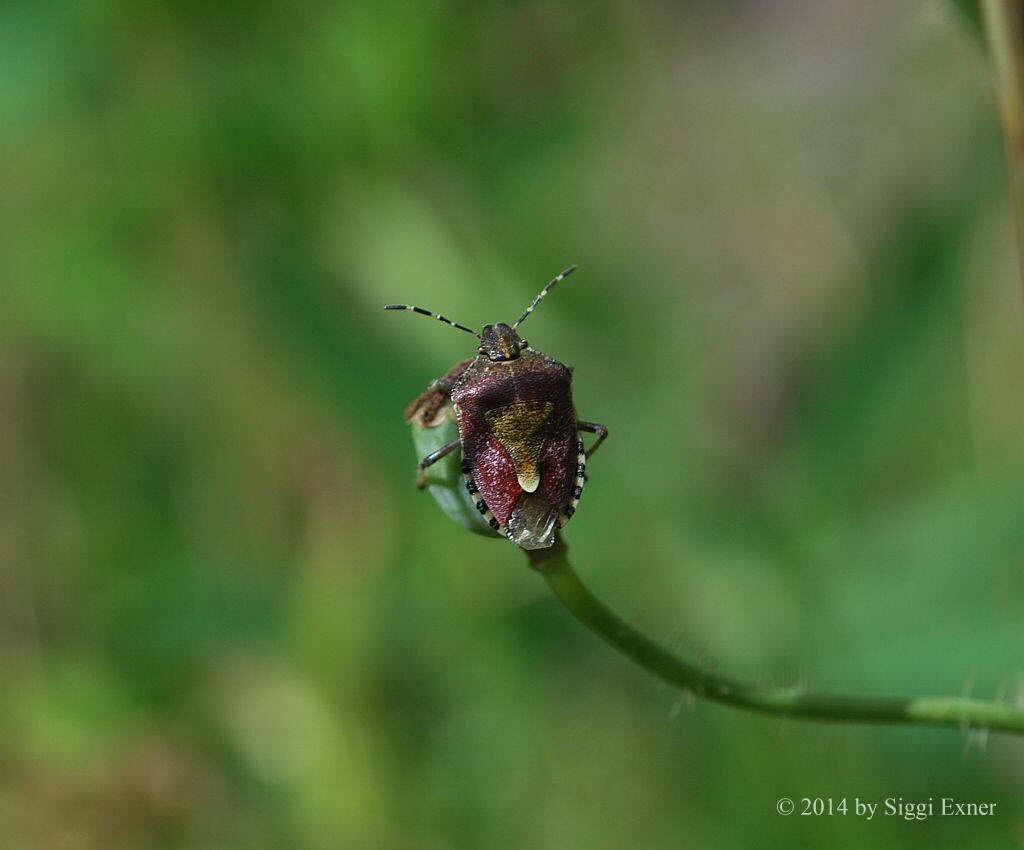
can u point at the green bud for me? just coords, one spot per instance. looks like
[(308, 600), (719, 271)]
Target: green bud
[(445, 480)]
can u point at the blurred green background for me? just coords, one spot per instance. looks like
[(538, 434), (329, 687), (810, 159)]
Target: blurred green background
[(228, 619)]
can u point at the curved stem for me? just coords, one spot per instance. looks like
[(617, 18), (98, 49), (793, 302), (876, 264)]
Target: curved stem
[(785, 702)]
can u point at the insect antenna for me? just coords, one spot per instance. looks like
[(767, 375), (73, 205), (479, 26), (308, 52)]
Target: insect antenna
[(544, 292), (437, 316)]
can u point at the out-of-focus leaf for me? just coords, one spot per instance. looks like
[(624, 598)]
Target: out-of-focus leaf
[(971, 12)]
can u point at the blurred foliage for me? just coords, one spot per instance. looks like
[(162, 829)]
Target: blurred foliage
[(971, 11), (229, 620)]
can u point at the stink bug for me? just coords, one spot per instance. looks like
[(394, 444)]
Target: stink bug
[(523, 461)]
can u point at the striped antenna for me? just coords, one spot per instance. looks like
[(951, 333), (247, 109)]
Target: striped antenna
[(437, 316), (544, 292)]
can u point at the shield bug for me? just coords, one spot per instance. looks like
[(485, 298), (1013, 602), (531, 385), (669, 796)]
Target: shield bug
[(523, 460)]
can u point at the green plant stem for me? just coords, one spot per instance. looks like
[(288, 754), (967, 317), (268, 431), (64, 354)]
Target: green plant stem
[(1004, 29), (783, 702)]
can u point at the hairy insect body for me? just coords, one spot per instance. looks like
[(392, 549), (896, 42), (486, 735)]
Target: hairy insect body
[(522, 459), (517, 428)]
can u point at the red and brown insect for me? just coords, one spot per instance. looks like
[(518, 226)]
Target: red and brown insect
[(523, 460)]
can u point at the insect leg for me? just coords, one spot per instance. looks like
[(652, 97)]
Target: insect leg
[(427, 405), (430, 460), (593, 428)]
